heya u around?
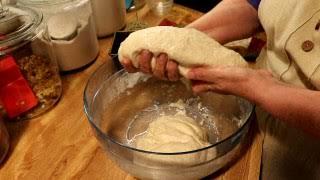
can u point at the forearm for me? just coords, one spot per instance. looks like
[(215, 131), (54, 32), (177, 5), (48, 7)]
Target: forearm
[(296, 106), (229, 20)]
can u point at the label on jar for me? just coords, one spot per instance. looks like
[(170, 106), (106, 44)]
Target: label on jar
[(16, 95)]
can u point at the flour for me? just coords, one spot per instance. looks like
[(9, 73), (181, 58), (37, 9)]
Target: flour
[(63, 27), (189, 47)]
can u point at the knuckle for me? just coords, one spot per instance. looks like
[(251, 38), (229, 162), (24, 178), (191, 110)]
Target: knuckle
[(147, 55), (198, 75)]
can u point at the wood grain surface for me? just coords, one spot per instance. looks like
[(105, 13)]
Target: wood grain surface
[(61, 145)]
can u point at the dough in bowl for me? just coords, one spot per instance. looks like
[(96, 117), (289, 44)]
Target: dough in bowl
[(189, 47), (172, 134)]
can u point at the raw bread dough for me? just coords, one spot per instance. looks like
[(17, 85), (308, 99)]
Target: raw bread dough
[(189, 47), (172, 134)]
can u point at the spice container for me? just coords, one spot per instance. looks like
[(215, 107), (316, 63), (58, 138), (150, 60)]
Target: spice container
[(109, 16), (71, 31), (29, 76)]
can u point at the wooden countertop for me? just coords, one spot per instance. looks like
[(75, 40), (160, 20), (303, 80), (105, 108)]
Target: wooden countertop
[(61, 145)]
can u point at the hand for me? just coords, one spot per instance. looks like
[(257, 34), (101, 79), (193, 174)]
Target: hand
[(164, 69), (229, 80)]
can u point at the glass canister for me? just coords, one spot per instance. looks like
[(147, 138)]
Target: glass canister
[(109, 16), (30, 83), (71, 30), (4, 141), (135, 4)]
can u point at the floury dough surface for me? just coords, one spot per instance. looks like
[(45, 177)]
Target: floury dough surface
[(173, 133), (189, 47)]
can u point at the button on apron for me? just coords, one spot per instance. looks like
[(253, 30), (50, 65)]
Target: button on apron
[(307, 46)]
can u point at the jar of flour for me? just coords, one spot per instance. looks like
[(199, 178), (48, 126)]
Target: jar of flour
[(70, 27)]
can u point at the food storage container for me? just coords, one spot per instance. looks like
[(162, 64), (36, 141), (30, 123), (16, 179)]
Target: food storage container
[(30, 83), (71, 30), (109, 16), (4, 141), (135, 4)]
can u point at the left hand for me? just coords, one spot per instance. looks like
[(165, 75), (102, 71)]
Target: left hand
[(165, 68), (228, 80)]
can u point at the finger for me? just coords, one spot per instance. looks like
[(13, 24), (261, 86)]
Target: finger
[(144, 59), (160, 67), (128, 66), (172, 70)]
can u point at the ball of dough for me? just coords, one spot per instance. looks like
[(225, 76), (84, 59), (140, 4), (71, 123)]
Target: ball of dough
[(176, 133), (171, 134)]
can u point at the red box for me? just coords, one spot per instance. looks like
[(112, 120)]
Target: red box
[(15, 93)]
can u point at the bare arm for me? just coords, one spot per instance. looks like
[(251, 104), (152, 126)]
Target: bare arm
[(229, 20), (296, 106)]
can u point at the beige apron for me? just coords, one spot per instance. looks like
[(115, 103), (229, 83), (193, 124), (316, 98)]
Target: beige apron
[(293, 55)]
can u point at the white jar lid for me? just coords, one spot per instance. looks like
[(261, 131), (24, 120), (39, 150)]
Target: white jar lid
[(62, 27)]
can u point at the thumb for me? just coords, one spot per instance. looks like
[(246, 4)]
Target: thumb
[(200, 73), (199, 87)]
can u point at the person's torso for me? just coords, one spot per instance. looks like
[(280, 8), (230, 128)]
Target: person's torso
[(293, 40)]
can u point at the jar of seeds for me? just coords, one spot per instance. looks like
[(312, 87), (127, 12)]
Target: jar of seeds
[(30, 83)]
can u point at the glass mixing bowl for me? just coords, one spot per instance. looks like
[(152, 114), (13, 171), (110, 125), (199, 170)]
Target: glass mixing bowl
[(120, 106)]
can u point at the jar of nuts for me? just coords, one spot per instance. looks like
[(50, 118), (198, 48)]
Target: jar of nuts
[(30, 83), (4, 141)]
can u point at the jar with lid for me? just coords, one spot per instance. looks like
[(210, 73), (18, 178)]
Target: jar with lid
[(30, 83), (71, 30), (4, 141), (109, 15)]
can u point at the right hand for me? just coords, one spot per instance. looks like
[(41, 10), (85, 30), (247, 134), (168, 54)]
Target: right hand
[(165, 69), (230, 80)]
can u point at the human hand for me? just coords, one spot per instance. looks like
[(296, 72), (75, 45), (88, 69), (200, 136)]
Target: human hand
[(165, 69), (229, 80)]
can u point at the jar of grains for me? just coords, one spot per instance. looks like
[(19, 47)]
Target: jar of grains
[(4, 141), (71, 30), (30, 83)]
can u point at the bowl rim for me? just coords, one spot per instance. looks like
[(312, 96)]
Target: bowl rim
[(106, 137)]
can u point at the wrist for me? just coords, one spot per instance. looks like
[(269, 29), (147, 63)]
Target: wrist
[(258, 87)]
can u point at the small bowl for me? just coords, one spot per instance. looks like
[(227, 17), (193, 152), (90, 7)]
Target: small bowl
[(113, 103)]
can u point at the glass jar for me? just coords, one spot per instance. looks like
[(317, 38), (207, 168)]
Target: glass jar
[(71, 30), (136, 4), (30, 83), (109, 16), (4, 141)]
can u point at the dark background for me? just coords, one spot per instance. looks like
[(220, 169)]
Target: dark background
[(200, 5)]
